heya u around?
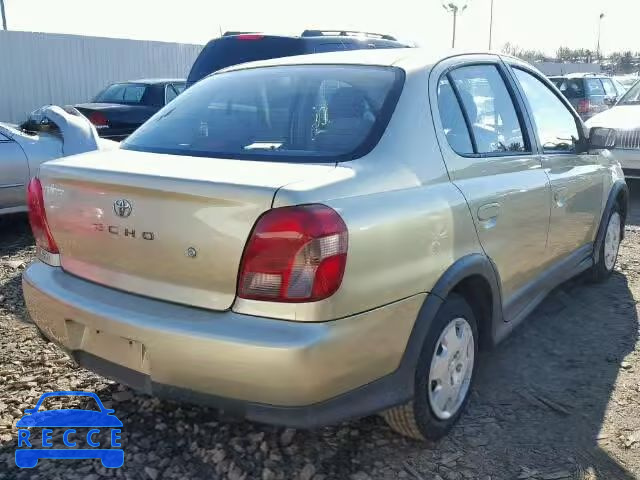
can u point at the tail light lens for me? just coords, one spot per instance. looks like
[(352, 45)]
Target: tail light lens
[(295, 254), (99, 120), (38, 217), (584, 106), (249, 36)]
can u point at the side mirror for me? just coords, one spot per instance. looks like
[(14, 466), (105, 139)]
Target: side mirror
[(602, 138)]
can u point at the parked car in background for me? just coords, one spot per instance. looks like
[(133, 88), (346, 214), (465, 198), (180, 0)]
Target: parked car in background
[(625, 118), (120, 108), (310, 239), (240, 47), (620, 87), (48, 133), (627, 81), (589, 93)]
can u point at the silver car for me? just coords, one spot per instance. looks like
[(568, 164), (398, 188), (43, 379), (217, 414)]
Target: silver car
[(49, 133), (625, 118), (310, 239)]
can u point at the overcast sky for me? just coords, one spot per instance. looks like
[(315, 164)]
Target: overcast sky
[(539, 24)]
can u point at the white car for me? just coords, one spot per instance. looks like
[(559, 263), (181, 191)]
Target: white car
[(625, 118), (49, 133), (627, 81)]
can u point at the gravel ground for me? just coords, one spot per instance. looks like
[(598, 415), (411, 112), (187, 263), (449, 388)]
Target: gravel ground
[(559, 399)]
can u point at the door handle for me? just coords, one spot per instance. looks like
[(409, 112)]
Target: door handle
[(487, 212)]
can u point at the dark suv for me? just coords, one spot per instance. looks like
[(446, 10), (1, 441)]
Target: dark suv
[(589, 93), (241, 47)]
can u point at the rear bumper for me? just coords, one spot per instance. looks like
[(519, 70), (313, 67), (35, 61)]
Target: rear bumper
[(292, 373)]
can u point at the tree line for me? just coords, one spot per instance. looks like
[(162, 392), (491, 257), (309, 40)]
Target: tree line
[(618, 62)]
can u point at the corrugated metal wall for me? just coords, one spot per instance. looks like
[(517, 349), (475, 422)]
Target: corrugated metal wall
[(37, 69)]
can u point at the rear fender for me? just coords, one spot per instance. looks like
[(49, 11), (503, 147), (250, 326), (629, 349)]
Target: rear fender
[(475, 264)]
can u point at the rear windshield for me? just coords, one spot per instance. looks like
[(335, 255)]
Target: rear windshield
[(594, 86), (570, 87), (303, 113), (557, 81), (227, 51), (122, 93)]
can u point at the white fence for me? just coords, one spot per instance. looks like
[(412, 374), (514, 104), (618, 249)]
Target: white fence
[(37, 69)]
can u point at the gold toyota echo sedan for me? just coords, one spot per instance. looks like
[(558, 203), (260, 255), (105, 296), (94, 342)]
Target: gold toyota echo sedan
[(311, 239)]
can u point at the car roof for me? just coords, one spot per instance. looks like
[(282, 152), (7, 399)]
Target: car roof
[(384, 40), (406, 58), (155, 81), (317, 34)]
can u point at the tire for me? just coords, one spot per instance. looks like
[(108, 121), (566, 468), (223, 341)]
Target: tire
[(423, 417), (603, 268)]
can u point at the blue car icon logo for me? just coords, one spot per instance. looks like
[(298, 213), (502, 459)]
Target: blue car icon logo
[(32, 448)]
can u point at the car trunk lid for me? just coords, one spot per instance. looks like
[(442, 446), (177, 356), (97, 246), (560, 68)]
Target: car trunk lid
[(160, 225)]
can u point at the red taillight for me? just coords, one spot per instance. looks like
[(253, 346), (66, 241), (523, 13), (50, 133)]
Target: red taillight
[(584, 106), (38, 217), (250, 36), (295, 254), (99, 120)]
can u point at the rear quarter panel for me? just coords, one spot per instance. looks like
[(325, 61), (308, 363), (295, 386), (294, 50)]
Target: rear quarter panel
[(40, 148), (407, 222)]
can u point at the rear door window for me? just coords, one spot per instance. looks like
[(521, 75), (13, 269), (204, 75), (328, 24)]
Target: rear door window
[(452, 119), (305, 113), (226, 51), (489, 108)]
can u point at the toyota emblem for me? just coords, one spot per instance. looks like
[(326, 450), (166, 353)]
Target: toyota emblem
[(122, 208)]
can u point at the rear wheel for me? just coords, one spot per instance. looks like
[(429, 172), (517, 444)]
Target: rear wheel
[(444, 374), (608, 254)]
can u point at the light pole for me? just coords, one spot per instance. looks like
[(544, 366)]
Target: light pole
[(491, 26), (456, 8), (2, 14), (599, 31)]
